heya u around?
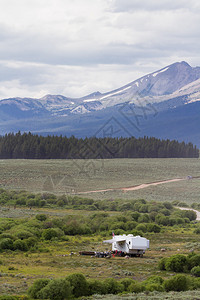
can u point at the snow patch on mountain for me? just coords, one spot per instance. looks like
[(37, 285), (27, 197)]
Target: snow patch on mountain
[(163, 70), (176, 80)]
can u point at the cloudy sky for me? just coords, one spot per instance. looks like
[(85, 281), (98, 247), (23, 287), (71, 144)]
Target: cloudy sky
[(76, 47)]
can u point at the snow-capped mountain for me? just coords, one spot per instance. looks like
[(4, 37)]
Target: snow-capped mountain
[(162, 92), (178, 79)]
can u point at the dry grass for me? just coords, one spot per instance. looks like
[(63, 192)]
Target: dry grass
[(76, 176)]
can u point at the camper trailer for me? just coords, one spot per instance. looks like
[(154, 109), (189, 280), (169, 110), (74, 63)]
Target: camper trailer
[(128, 245)]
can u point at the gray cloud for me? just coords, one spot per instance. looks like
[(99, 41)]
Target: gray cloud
[(75, 47), (156, 5)]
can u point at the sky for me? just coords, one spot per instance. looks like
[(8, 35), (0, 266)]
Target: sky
[(74, 48)]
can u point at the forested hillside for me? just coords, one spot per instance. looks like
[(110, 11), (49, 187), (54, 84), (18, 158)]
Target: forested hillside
[(29, 146)]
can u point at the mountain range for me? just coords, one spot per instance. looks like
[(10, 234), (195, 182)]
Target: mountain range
[(164, 104)]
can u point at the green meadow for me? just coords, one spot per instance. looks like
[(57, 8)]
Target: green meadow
[(58, 186)]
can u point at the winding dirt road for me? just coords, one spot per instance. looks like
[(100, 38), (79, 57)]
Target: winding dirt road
[(136, 187)]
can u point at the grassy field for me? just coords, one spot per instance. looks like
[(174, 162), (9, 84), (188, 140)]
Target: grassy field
[(18, 270), (78, 176)]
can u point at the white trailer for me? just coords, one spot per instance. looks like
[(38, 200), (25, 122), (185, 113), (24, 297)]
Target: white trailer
[(128, 245)]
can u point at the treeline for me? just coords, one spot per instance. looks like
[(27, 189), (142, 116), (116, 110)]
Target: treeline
[(29, 146)]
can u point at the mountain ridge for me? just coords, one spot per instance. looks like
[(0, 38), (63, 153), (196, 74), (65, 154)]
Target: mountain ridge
[(159, 93)]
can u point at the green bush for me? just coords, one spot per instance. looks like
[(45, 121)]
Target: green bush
[(41, 217), (154, 287), (135, 216), (141, 227), (6, 235), (196, 271), (38, 285), (79, 284), (96, 287), (168, 205), (126, 282), (151, 227), (6, 244), (177, 263), (31, 241), (112, 286), (177, 283), (155, 279), (136, 287), (194, 260), (72, 228), (57, 289), (161, 263), (21, 201), (49, 233), (197, 230), (190, 214), (23, 234), (154, 283), (20, 245), (130, 225)]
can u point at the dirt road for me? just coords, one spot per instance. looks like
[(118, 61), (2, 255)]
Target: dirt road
[(136, 187)]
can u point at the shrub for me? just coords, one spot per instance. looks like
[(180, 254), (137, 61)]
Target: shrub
[(31, 203), (154, 287), (180, 221), (151, 227), (96, 287), (112, 286), (126, 282), (42, 203), (177, 263), (6, 244), (21, 201), (41, 217), (190, 214), (23, 234), (196, 271), (135, 216), (57, 289), (161, 263), (194, 260), (34, 290), (6, 235), (49, 233), (20, 245), (72, 228), (78, 284), (136, 287), (130, 225), (168, 205), (141, 227), (143, 218), (165, 212), (31, 242), (197, 230), (177, 283), (155, 279)]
